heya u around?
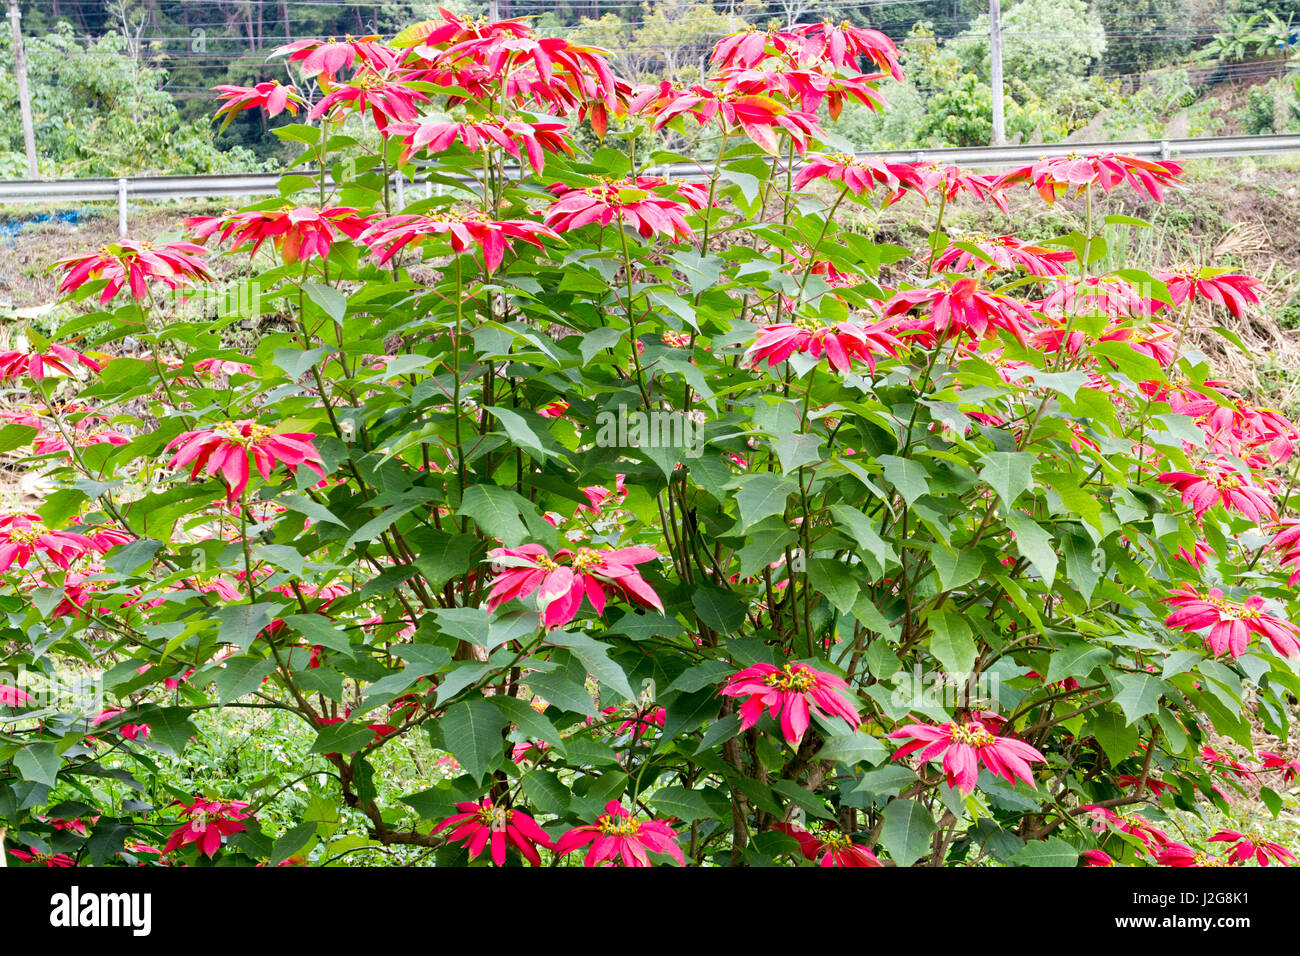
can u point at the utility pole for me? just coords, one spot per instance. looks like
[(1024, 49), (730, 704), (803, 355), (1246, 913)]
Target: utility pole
[(995, 53), (24, 95), (494, 10)]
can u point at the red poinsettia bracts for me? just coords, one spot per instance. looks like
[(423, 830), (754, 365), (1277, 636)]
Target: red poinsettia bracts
[(298, 232), (36, 365), (965, 746), (326, 59), (270, 96), (135, 265), (951, 181), (1058, 175), (563, 579), (962, 309), (617, 836), (225, 448), (860, 174), (829, 847), (1180, 854), (1290, 769), (386, 98), (791, 694), (841, 343), (479, 824), (465, 231), (535, 137), (1003, 252), (1245, 846), (206, 823), (630, 202), (1231, 623), (1221, 485), (1231, 290), (25, 536)]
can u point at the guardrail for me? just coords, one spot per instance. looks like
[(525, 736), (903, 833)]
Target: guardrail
[(125, 189)]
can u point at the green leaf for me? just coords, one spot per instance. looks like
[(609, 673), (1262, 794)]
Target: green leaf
[(1035, 544), (906, 831), (839, 582), (1050, 852), (342, 739), (38, 763), (531, 723), (759, 496), (331, 301), (686, 805), (718, 608), (1117, 736), (1076, 659), (241, 623), (472, 731), (908, 476), (957, 569), (168, 726), (1008, 473), (496, 512), (241, 675), (562, 692), (1138, 694), (595, 657), (951, 642)]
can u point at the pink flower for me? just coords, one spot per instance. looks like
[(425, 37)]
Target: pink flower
[(833, 848), (477, 824), (791, 693), (133, 264), (962, 309), (1180, 854), (1004, 252), (298, 232), (207, 821), (225, 448), (1222, 485), (860, 174), (269, 96), (1247, 845), (36, 365), (127, 731), (841, 343), (537, 137), (11, 696), (43, 859), (24, 536), (1230, 623), (1057, 175), (562, 580), (555, 409), (463, 230), (617, 835), (964, 747), (1231, 290), (630, 203), (1273, 761), (1096, 858)]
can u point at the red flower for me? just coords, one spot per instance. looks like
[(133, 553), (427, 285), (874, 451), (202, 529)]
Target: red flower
[(387, 99), (952, 180), (207, 821), (225, 448), (1096, 858), (1230, 623), (1151, 837), (1232, 291), (842, 45), (1056, 176), (465, 231), (127, 731), (562, 580), (630, 202), (1003, 252), (270, 96), (299, 233), (617, 835), (11, 696), (791, 693), (841, 343), (964, 747), (477, 824), (1273, 761), (833, 848), (555, 409), (44, 859), (134, 264), (1247, 845), (860, 174), (326, 60), (962, 309), (1223, 485), (36, 365), (537, 137), (1180, 854), (24, 536)]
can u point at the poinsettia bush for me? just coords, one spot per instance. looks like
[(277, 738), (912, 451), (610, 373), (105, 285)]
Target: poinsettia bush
[(690, 523)]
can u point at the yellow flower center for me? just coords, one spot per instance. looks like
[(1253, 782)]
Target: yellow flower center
[(611, 825), (972, 734), (789, 679)]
